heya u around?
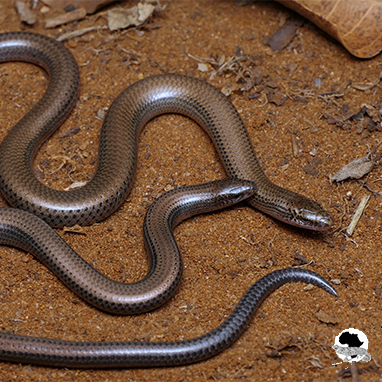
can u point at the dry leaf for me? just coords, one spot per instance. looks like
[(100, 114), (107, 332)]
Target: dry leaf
[(355, 169), (26, 14), (356, 24), (120, 18)]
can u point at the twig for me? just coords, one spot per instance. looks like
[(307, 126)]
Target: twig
[(357, 215), (354, 372), (77, 33)]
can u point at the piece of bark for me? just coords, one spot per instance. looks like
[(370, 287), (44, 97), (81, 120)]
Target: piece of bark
[(284, 35), (89, 5), (77, 14), (326, 318)]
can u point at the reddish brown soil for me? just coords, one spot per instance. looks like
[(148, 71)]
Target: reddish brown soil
[(224, 253)]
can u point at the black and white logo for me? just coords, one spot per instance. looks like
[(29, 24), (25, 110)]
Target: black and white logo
[(351, 346)]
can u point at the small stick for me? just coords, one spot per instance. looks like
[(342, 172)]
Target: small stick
[(354, 372), (357, 215), (294, 145), (77, 33)]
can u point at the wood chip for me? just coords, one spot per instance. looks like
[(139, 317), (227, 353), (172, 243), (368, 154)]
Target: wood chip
[(77, 14), (326, 318), (295, 146), (75, 229)]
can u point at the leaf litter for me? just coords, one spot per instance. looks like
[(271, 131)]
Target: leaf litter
[(355, 169)]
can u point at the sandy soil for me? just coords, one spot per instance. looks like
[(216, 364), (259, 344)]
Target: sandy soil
[(290, 337)]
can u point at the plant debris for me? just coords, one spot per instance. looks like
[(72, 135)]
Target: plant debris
[(79, 32), (246, 76), (75, 229), (27, 15), (326, 318), (119, 18), (355, 169), (282, 38), (357, 215), (355, 24), (76, 14), (69, 5)]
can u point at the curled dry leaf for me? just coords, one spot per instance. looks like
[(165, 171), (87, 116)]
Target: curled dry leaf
[(119, 18), (355, 24), (355, 169)]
